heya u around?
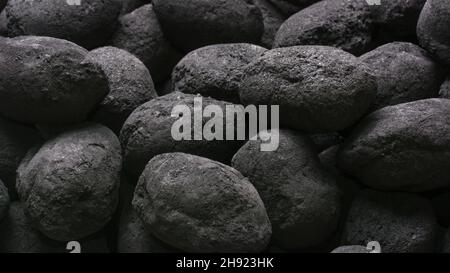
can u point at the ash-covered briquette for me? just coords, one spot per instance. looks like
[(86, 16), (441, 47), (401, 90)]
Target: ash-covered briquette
[(399, 222), (139, 33), (405, 72), (433, 29), (48, 81), (346, 24), (319, 89), (89, 24), (70, 184), (221, 21), (301, 198), (148, 132), (401, 148), (215, 71), (130, 85), (199, 205)]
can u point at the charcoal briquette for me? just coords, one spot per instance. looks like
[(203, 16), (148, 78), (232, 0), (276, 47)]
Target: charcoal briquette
[(401, 148), (53, 83), (130, 85), (346, 24), (319, 89), (140, 33), (200, 205), (89, 24), (405, 72), (301, 197), (148, 132), (432, 29), (70, 184), (215, 71)]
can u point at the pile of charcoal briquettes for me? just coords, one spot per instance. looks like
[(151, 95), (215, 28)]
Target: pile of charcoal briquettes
[(87, 153)]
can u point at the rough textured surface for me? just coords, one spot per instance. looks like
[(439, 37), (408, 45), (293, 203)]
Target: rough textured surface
[(302, 200), (403, 147), (350, 249), (15, 140), (318, 88), (444, 92), (134, 237), (405, 72), (432, 29), (51, 83), (272, 19), (223, 21), (89, 24), (147, 133), (199, 205), (4, 200), (70, 184), (345, 24), (139, 33), (215, 71), (130, 85), (401, 223)]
